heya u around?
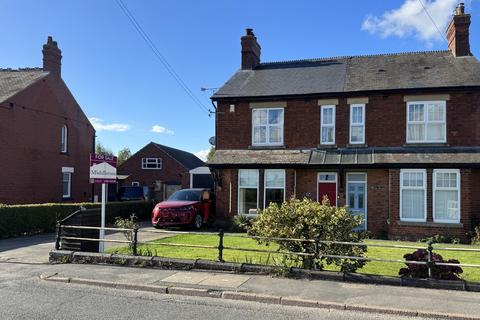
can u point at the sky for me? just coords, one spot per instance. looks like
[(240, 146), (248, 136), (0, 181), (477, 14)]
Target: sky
[(132, 99)]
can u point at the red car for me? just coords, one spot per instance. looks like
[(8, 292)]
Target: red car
[(187, 207)]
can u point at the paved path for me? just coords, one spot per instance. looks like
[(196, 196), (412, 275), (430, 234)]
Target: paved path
[(35, 249)]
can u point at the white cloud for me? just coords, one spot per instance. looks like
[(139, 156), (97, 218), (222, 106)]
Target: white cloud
[(202, 154), (410, 19), (160, 129), (100, 126)]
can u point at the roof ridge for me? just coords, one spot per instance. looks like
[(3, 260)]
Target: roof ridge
[(21, 69), (324, 59)]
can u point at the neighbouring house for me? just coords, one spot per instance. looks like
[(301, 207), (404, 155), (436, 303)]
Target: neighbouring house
[(45, 138), (395, 137), (163, 169)]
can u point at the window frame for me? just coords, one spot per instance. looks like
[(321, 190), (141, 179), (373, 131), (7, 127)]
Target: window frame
[(424, 171), (135, 184), (64, 139), (322, 125), (265, 184), (457, 189), (267, 125), (240, 187), (362, 124), (69, 195), (145, 160), (425, 121)]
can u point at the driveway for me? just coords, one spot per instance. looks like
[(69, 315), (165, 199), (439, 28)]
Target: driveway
[(35, 249)]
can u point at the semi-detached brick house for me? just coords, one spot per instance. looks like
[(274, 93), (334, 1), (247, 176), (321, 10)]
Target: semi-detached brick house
[(45, 138), (394, 137)]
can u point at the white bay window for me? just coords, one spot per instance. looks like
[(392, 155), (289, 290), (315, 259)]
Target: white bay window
[(413, 191), (426, 122), (247, 190), (274, 186), (446, 196), (267, 126)]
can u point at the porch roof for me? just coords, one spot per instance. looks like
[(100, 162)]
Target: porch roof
[(361, 157)]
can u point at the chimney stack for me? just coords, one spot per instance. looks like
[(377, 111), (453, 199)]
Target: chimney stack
[(250, 50), (458, 34), (52, 57)]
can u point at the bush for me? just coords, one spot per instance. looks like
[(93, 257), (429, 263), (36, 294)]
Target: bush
[(19, 220), (241, 223), (476, 236), (307, 219), (438, 238), (421, 270)]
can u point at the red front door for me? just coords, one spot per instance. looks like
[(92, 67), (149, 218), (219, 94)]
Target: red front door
[(330, 190)]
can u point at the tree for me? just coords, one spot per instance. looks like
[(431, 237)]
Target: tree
[(123, 155), (310, 220), (210, 154), (101, 149)]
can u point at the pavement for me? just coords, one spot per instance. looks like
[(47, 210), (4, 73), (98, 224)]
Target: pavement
[(330, 295), (35, 249)]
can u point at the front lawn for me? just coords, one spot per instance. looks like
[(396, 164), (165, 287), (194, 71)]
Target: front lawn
[(373, 267)]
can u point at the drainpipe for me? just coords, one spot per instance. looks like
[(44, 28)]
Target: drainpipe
[(295, 183)]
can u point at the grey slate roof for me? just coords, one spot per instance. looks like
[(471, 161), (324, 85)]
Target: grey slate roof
[(187, 159), (353, 157), (430, 69), (12, 81)]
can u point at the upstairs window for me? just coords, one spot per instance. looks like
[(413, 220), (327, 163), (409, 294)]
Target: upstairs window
[(64, 139), (327, 127), (274, 186), (413, 190), (151, 163), (426, 122), (357, 124), (267, 127), (446, 196)]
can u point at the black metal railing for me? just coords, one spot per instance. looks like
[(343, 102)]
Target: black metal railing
[(134, 243)]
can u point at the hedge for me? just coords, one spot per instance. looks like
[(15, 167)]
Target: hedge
[(19, 220)]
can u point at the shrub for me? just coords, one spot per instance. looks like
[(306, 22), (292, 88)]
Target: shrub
[(307, 219), (421, 270), (129, 223), (241, 223), (439, 238), (18, 220), (476, 235)]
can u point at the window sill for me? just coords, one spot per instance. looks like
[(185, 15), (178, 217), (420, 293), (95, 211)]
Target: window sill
[(327, 146), (359, 145), (430, 224), (268, 147), (426, 144)]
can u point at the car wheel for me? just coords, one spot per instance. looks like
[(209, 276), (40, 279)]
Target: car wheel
[(157, 226), (197, 221)]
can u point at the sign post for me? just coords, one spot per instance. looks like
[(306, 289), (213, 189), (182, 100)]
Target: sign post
[(103, 169)]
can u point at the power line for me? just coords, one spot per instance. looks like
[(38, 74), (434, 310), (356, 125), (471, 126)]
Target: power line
[(160, 56), (431, 19)]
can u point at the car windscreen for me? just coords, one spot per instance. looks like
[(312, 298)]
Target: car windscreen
[(186, 195), (131, 192)]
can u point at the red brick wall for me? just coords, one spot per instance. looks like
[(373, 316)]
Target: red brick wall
[(385, 122), (172, 171), (30, 156)]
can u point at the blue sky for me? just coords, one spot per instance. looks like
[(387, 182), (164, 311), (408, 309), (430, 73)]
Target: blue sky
[(127, 92)]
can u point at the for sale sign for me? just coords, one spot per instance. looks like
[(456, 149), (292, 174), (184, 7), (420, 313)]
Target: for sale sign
[(103, 168)]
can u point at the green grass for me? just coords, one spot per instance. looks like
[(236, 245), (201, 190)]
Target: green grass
[(373, 267)]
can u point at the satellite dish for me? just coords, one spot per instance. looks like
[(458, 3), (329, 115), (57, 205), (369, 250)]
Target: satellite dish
[(212, 141)]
